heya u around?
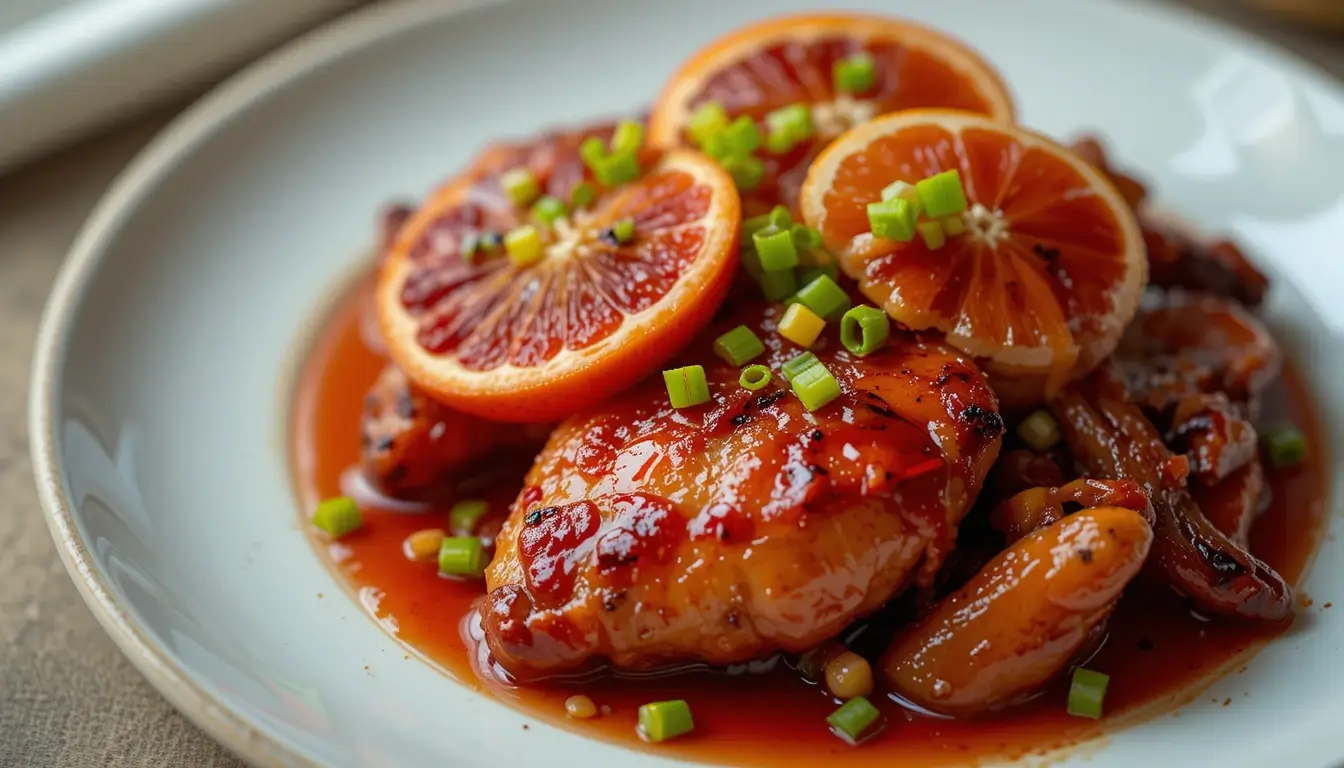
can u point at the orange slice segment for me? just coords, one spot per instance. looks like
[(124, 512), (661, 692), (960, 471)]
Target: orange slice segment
[(1045, 277), (593, 315), (789, 60)]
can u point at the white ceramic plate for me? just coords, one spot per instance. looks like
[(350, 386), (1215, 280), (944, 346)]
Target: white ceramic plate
[(161, 382)]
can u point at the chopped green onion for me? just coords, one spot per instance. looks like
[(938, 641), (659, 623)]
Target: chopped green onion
[(780, 218), (854, 74), (815, 386), (1286, 446), (942, 194), (1039, 431), (593, 151), (663, 720), (752, 226), (751, 263), (741, 137), (778, 286), (893, 219), (547, 209), (524, 246), (852, 719), (686, 386), (805, 236), (582, 194), (931, 232), (739, 346), (623, 230), (617, 169), (755, 377), (464, 515), (823, 296), (461, 556), (901, 189), (801, 325), (775, 249), (864, 330), (521, 186), (829, 270), (746, 170), (787, 127), (707, 120), (338, 516), (795, 365), (1086, 693), (953, 225), (627, 138)]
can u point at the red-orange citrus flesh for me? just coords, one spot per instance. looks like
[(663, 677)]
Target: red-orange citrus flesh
[(790, 60), (1044, 279), (592, 316)]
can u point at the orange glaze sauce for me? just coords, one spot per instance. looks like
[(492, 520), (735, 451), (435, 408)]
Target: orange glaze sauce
[(1156, 652)]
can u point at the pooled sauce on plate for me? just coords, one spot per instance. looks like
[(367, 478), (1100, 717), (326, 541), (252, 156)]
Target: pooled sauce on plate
[(1156, 652)]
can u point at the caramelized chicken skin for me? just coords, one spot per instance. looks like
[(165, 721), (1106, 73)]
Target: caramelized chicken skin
[(414, 446), (745, 526)]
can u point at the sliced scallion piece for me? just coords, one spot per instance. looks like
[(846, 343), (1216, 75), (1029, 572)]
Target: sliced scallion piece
[(663, 720), (739, 346), (464, 515), (893, 219), (623, 231), (582, 194), (778, 286), (746, 170), (852, 719), (931, 232), (815, 386), (795, 365), (687, 386), (855, 73), (548, 209), (1087, 692), (1285, 446), (864, 330), (825, 297), (942, 194), (462, 556), (338, 516), (521, 186), (775, 249), (708, 120), (755, 377)]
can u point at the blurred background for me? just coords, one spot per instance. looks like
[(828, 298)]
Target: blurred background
[(84, 85)]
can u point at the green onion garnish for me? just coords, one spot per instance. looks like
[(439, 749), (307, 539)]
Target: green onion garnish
[(780, 218), (617, 169), (337, 516), (864, 330), (805, 236), (778, 286), (953, 225), (787, 127), (623, 230), (942, 194), (593, 151), (663, 720), (708, 120), (801, 325), (752, 226), (932, 234), (627, 138), (524, 245), (1086, 693), (755, 377), (686, 386), (739, 346), (852, 719), (775, 249), (582, 194), (795, 365), (746, 170), (521, 186), (461, 556), (464, 515), (823, 296), (1039, 430), (893, 219), (739, 139), (1285, 446), (854, 74), (815, 386), (547, 209)]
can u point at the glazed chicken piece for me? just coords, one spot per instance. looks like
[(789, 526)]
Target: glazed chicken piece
[(720, 533), (414, 446)]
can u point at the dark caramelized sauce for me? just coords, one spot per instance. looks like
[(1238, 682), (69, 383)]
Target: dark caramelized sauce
[(1156, 652)]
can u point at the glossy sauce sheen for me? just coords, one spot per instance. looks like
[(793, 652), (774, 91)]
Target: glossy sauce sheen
[(1154, 653)]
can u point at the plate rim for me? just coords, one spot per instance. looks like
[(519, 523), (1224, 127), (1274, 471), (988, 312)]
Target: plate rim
[(198, 122)]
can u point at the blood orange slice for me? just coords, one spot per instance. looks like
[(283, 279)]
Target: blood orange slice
[(1042, 281), (792, 60), (590, 313)]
